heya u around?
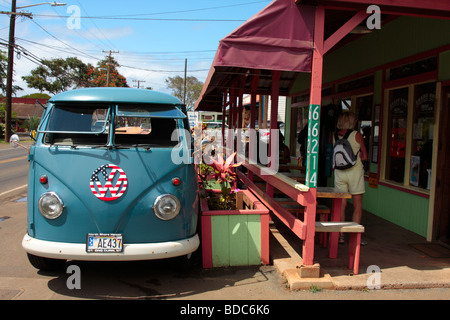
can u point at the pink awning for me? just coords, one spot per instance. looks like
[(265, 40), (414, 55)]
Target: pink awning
[(279, 37)]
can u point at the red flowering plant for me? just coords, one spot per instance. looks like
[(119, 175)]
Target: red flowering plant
[(224, 174), (213, 170)]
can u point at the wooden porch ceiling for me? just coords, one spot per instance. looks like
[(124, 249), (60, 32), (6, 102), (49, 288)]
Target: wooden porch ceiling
[(425, 8), (337, 13)]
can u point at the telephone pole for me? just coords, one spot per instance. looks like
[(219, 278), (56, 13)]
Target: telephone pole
[(138, 82), (108, 64), (185, 81), (11, 47)]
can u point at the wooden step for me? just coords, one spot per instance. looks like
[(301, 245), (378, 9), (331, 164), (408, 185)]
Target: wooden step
[(327, 226)]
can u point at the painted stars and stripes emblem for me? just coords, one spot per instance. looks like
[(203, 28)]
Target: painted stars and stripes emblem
[(115, 182)]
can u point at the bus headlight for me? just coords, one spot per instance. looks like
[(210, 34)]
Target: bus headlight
[(166, 206), (50, 205)]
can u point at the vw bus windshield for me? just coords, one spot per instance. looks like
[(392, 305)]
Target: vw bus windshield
[(144, 126), (75, 124), (75, 118)]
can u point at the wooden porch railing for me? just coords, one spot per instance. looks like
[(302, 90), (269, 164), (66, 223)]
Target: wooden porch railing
[(300, 193)]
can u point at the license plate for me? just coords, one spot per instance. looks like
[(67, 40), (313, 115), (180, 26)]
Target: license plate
[(104, 242)]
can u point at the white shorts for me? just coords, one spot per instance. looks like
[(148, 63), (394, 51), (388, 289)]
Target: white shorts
[(351, 180)]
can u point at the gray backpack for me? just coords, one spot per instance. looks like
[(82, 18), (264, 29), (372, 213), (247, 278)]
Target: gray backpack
[(343, 155)]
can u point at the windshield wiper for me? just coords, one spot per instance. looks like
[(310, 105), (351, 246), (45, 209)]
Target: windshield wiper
[(142, 145), (125, 146)]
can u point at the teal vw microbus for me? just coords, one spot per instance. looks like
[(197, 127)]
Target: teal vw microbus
[(109, 180)]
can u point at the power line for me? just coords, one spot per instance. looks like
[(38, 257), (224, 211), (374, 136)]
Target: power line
[(68, 45), (143, 19), (100, 30), (190, 10)]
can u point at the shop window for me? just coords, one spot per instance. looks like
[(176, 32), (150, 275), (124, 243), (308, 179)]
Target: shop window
[(397, 125), (346, 104), (420, 142), (359, 83), (422, 135), (411, 69)]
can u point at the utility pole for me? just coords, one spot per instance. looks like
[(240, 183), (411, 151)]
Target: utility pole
[(108, 64), (185, 81), (11, 47), (138, 82), (9, 74)]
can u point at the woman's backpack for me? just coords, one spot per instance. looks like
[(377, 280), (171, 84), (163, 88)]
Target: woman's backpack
[(343, 155)]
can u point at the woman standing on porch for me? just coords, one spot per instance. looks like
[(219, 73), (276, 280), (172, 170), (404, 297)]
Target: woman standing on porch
[(351, 180)]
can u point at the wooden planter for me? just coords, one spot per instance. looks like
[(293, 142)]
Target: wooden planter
[(235, 237)]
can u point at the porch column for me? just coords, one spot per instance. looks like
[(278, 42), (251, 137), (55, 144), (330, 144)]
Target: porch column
[(313, 135), (273, 137), (224, 113), (232, 125), (240, 106), (252, 136)]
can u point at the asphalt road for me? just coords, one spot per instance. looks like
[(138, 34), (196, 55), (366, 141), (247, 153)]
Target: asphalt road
[(149, 280), (13, 168), (157, 280)]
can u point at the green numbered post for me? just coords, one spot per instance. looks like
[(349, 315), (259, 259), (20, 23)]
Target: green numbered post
[(313, 145)]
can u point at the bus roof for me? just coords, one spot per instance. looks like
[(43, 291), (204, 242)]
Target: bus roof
[(120, 95)]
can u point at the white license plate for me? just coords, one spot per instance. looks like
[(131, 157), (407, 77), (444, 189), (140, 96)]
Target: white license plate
[(104, 242)]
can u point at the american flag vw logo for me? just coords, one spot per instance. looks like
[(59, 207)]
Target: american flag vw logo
[(115, 182)]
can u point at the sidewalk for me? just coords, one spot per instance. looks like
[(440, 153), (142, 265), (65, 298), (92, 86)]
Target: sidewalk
[(390, 251)]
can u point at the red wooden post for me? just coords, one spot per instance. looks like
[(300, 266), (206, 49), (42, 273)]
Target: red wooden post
[(313, 136), (252, 134), (240, 107), (224, 112), (273, 147)]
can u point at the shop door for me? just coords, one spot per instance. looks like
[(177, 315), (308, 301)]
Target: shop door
[(441, 225)]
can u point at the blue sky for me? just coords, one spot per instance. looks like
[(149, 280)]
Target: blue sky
[(153, 38)]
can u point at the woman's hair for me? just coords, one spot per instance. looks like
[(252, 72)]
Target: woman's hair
[(346, 120)]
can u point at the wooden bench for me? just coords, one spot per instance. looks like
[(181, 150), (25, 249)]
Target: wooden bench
[(355, 231), (296, 209)]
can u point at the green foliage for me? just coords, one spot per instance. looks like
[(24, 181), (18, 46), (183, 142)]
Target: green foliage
[(57, 75), (99, 75), (37, 96), (31, 123), (193, 88), (3, 74)]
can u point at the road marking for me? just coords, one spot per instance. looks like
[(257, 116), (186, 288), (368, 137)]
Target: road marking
[(12, 190), (14, 159)]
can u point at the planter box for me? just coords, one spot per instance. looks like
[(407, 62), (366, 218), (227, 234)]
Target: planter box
[(235, 237)]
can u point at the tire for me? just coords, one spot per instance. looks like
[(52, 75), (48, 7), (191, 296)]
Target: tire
[(45, 264)]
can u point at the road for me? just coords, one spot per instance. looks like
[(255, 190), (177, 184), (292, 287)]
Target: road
[(159, 280), (13, 168), (154, 280)]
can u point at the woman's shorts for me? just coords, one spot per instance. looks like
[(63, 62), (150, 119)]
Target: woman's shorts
[(350, 180)]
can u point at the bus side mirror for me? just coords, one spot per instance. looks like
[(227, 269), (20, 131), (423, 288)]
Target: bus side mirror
[(14, 142)]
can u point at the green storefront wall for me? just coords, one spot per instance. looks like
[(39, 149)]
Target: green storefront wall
[(396, 40)]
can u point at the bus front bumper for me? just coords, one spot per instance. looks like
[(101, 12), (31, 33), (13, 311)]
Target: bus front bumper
[(131, 252)]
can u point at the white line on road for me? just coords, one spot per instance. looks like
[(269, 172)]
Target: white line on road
[(12, 190)]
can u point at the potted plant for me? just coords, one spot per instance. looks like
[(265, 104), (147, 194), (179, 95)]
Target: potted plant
[(235, 224)]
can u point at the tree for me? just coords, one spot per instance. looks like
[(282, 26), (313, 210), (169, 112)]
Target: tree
[(36, 96), (57, 75), (193, 88), (106, 74), (3, 73)]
